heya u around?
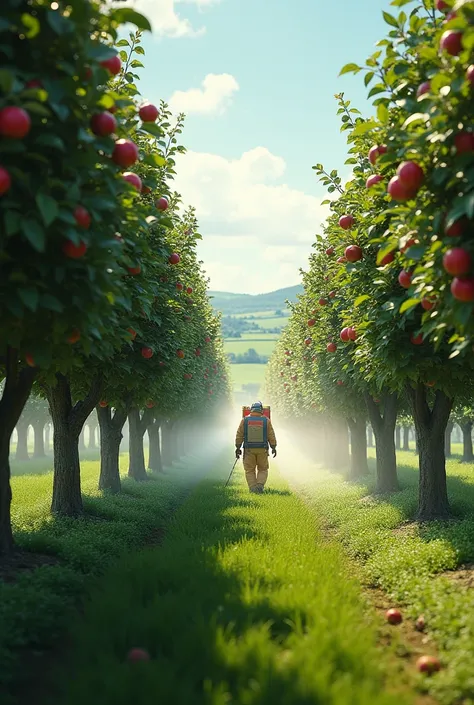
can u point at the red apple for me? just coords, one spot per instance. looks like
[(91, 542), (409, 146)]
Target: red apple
[(420, 622), (341, 260), (132, 179), (34, 83), (411, 175), (346, 222), (428, 303), (352, 333), (14, 122), (125, 153), (464, 142), (409, 243), (404, 279), (373, 180), (417, 339), (375, 152), (74, 336), (340, 383), (323, 302), (353, 253), (332, 294), (457, 261), (103, 404), (134, 270), (148, 112), (135, 655), (428, 384), (179, 286), (311, 322), (400, 191), (132, 332), (330, 251), (428, 664), (463, 289), (174, 258), (207, 339), (393, 616), (103, 124), (308, 341), (5, 181), (423, 88), (387, 259), (189, 290), (442, 6), (82, 217), (147, 353), (73, 251), (331, 347), (162, 203), (197, 352), (113, 65), (180, 354), (146, 190), (344, 335), (456, 229), (451, 42), (470, 74), (30, 360)]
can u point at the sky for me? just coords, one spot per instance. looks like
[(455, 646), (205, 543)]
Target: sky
[(257, 79)]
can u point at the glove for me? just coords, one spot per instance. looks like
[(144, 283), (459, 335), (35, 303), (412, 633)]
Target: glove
[(238, 453), (274, 451)]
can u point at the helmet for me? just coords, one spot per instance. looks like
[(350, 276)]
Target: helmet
[(257, 406)]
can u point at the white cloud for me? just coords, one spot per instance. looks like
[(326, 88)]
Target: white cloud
[(214, 96), (165, 18), (257, 232)]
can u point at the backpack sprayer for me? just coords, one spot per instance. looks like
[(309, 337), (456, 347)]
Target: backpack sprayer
[(246, 412)]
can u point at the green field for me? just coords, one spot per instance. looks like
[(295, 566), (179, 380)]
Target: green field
[(239, 346), (247, 374), (258, 314)]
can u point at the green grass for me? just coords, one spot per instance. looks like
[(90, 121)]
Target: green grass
[(245, 602), (408, 561), (36, 608), (259, 314), (239, 347), (247, 374), (273, 322)]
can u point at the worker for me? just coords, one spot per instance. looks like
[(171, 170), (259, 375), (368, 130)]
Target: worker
[(256, 433)]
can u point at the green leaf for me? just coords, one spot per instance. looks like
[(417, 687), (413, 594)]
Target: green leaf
[(389, 19), (360, 299), (34, 233), (368, 77), (154, 159), (51, 303), (363, 127), (29, 297), (408, 304), (32, 25), (47, 139), (123, 43), (382, 113), (126, 15), (151, 128), (99, 51), (6, 81), (349, 68), (58, 23), (48, 208), (12, 220)]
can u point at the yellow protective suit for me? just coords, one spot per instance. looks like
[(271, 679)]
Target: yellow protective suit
[(255, 459)]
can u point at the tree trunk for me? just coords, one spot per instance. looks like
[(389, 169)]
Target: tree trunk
[(358, 429), (22, 441), (406, 438), (430, 426), (384, 432), (68, 421), (467, 451), (447, 439), (154, 458), (92, 429), (16, 391), (398, 438), (38, 430), (110, 436), (138, 425), (47, 437)]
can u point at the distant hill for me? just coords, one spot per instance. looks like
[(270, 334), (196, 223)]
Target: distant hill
[(231, 304)]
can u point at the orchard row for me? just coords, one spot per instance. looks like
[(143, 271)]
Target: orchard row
[(385, 326)]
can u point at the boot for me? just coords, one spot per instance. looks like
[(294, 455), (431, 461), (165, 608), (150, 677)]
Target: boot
[(260, 489)]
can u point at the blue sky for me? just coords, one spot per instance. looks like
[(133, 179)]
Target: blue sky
[(262, 118)]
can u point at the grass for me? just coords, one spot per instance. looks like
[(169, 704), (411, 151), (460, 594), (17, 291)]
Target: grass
[(245, 602), (36, 608), (259, 314), (247, 374), (239, 347), (410, 562)]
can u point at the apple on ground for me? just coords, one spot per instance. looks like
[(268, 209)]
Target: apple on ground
[(420, 622), (428, 664), (394, 616)]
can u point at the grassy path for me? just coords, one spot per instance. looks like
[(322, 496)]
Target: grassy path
[(245, 602)]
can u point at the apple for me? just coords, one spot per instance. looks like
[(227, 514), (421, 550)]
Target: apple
[(113, 65), (451, 42), (353, 253), (429, 384), (417, 339), (207, 339), (147, 353), (464, 142), (352, 333), (174, 258), (341, 260), (420, 622), (340, 383), (5, 181), (428, 664), (442, 6), (428, 304), (103, 124), (179, 286), (346, 222), (30, 360), (162, 203), (146, 190), (135, 655), (409, 243), (125, 153), (387, 259), (189, 290), (373, 180), (332, 294), (393, 616), (311, 322), (134, 270), (411, 175), (463, 289), (470, 74), (82, 217), (197, 352), (400, 191), (148, 112), (180, 354), (375, 152), (404, 279), (323, 302), (457, 261), (75, 336), (308, 341), (14, 122), (331, 347), (330, 251), (456, 229), (293, 378), (34, 83), (132, 332), (73, 251), (344, 335), (423, 89), (132, 179), (103, 404)]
